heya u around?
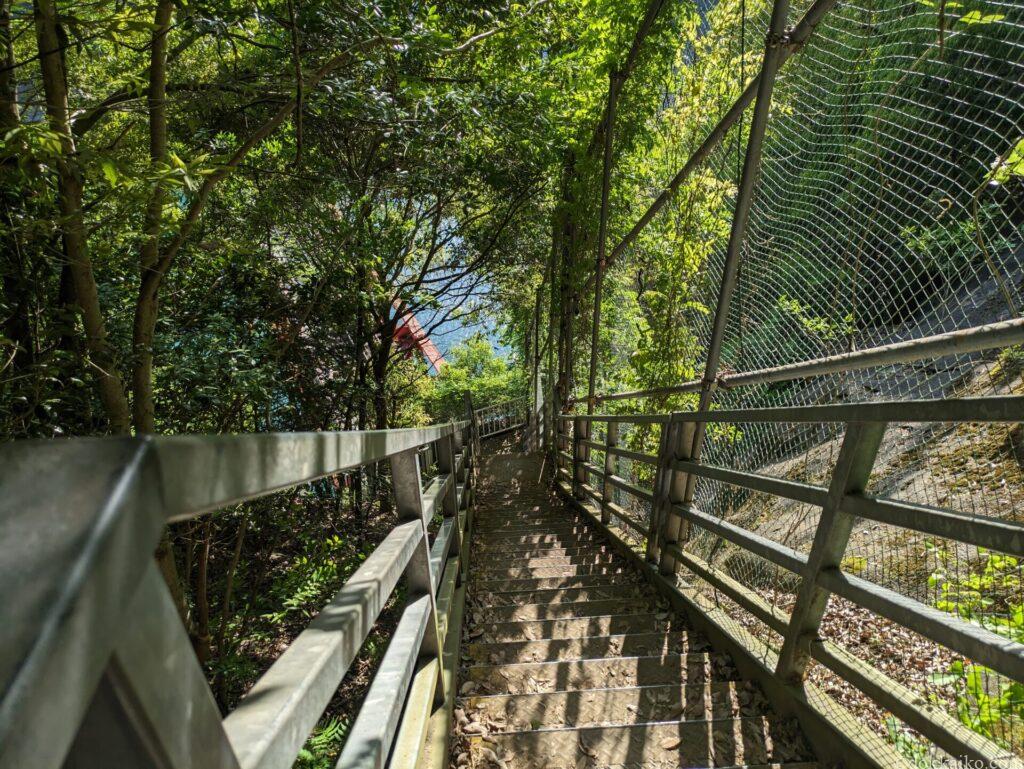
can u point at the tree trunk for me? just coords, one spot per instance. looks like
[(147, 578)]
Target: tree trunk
[(169, 569), (17, 326), (143, 409), (225, 609), (69, 193), (146, 308), (201, 637)]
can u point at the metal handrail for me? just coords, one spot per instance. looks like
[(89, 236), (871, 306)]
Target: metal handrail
[(92, 645), (503, 417), (975, 339), (818, 572), (996, 408)]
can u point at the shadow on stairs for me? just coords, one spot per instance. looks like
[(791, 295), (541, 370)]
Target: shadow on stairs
[(570, 659)]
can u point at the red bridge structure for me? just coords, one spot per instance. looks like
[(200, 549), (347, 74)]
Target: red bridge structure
[(411, 336)]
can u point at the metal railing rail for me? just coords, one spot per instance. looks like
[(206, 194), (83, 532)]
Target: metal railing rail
[(96, 665), (975, 339), (503, 417), (819, 573)]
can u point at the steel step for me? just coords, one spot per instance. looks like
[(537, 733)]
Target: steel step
[(506, 517), (570, 660), (570, 570), (538, 538), (588, 647), (626, 705), (729, 742), (546, 550), (576, 627), (560, 529), (535, 611), (498, 586), (488, 565), (562, 595), (524, 677)]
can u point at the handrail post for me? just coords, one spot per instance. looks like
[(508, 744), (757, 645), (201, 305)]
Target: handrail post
[(445, 449), (579, 472), (545, 417), (549, 427), (849, 476), (408, 490), (474, 433), (465, 524), (556, 428), (561, 437), (536, 414), (611, 440), (678, 445), (456, 438), (660, 489)]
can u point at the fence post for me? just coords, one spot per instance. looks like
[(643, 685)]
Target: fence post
[(660, 488), (611, 440), (474, 433), (678, 445), (556, 425), (555, 445), (466, 504), (408, 489), (579, 472), (457, 438), (537, 414), (152, 673), (849, 476), (545, 418), (444, 447)]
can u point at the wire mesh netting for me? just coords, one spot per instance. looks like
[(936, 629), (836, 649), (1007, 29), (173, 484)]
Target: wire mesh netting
[(888, 208)]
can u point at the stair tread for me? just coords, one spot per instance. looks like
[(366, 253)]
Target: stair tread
[(586, 647), (573, 609), (616, 705), (570, 659), (541, 583), (565, 570), (579, 626), (727, 742), (561, 595), (548, 550), (521, 677)]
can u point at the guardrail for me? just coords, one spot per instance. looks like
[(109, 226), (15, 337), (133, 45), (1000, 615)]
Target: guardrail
[(502, 417), (975, 339), (97, 668), (818, 573)]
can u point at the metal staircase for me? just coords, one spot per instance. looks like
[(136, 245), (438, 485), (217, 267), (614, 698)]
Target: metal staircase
[(545, 625), (573, 660)]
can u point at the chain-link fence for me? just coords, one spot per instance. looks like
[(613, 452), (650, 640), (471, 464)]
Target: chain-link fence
[(888, 208)]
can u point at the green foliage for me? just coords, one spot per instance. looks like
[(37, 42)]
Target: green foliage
[(417, 174), (938, 250), (915, 750), (1009, 364), (1012, 166), (823, 327), (473, 368), (987, 595), (985, 701), (322, 748)]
